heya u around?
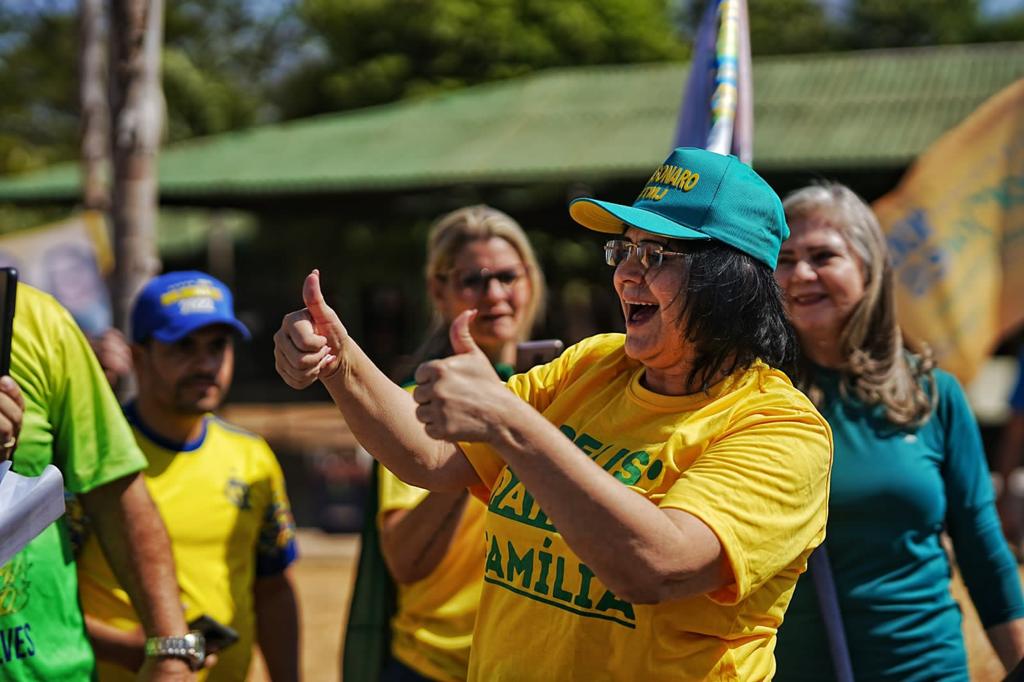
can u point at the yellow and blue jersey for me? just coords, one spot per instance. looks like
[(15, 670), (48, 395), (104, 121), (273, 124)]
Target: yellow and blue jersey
[(222, 497)]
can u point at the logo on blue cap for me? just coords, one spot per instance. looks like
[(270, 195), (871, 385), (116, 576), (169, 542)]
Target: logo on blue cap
[(175, 304)]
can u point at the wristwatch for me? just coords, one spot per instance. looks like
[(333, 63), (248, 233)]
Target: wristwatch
[(190, 647)]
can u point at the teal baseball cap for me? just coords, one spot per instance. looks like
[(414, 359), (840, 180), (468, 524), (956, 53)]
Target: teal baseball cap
[(697, 194)]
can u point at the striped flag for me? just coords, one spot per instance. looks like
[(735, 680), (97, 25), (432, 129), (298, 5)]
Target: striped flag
[(718, 105)]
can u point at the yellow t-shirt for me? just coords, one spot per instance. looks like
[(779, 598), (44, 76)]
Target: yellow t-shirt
[(433, 628), (223, 501), (751, 459)]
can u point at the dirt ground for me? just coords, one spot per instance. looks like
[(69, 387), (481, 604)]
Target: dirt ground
[(324, 580)]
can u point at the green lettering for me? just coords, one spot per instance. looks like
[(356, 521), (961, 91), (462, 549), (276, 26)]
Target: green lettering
[(610, 601), (583, 596), (519, 565), (615, 459), (505, 484), (558, 592), (513, 501), (569, 432), (494, 559), (541, 587), (588, 444), (630, 474)]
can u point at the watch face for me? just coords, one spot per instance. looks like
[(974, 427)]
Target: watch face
[(190, 647)]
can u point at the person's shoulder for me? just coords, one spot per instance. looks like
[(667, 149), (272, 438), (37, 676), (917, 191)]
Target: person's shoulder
[(768, 386), (945, 382), (772, 382), (235, 432), (32, 302), (602, 353), (950, 397), (598, 346)]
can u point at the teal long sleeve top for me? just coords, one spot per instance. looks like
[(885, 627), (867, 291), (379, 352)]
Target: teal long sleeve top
[(893, 493)]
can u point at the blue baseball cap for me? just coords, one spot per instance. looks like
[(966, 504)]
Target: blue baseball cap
[(697, 194), (173, 305)]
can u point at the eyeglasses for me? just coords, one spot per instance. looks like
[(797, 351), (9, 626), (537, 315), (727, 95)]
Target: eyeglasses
[(469, 283), (649, 253)]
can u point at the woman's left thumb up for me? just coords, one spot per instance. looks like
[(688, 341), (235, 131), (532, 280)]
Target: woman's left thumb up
[(462, 341)]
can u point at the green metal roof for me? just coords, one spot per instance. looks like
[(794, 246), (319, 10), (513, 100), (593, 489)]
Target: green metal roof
[(874, 109)]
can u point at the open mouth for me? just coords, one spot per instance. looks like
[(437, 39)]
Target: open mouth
[(492, 317), (808, 299), (638, 313)]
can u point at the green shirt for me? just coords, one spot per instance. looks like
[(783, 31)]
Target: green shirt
[(72, 420)]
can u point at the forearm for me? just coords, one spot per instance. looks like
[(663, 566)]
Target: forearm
[(1008, 641), (123, 647), (1011, 447), (382, 417), (414, 541), (135, 542), (277, 626), (642, 553)]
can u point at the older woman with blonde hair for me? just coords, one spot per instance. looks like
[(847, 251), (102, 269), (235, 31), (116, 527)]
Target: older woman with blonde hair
[(909, 466), (431, 544)]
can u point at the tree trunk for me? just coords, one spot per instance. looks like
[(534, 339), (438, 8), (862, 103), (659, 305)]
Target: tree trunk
[(92, 93), (136, 34)]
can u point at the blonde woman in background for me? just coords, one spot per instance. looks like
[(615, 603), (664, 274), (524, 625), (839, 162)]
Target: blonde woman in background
[(433, 543), (909, 466)]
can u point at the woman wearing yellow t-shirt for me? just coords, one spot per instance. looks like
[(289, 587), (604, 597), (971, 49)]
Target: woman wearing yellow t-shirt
[(653, 496), (432, 543)]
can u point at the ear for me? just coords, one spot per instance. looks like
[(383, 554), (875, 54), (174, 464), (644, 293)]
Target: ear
[(435, 289), (138, 354)]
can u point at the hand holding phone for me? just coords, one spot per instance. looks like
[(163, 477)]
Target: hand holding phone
[(12, 404), (218, 636), (8, 297), (532, 353)]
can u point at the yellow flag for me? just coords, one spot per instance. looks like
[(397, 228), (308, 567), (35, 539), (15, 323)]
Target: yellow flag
[(955, 226)]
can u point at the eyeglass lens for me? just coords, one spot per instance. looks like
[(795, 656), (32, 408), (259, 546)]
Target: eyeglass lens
[(479, 281), (617, 250)]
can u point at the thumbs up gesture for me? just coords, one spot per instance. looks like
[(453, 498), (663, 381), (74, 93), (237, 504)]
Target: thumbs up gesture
[(460, 397), (308, 344)]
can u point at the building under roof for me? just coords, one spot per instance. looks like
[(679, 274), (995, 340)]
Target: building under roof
[(850, 111)]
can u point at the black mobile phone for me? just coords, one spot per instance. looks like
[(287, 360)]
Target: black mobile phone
[(8, 298), (531, 353), (217, 635)]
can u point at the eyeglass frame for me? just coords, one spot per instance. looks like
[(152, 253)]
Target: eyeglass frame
[(644, 252), (485, 276)]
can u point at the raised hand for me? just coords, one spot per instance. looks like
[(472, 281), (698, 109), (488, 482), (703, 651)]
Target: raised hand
[(460, 397), (12, 411), (114, 354), (309, 342)]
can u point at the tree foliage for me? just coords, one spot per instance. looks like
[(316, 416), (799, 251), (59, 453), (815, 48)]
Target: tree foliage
[(776, 26), (234, 63), (219, 58), (885, 23), (382, 50)]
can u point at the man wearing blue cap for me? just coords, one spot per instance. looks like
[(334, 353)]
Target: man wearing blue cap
[(219, 488)]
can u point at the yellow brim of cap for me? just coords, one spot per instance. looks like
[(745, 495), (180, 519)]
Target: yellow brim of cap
[(595, 217)]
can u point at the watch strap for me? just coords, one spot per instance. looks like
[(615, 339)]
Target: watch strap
[(190, 647)]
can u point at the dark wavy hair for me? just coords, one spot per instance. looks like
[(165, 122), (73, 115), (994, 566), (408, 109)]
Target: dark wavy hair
[(733, 313)]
